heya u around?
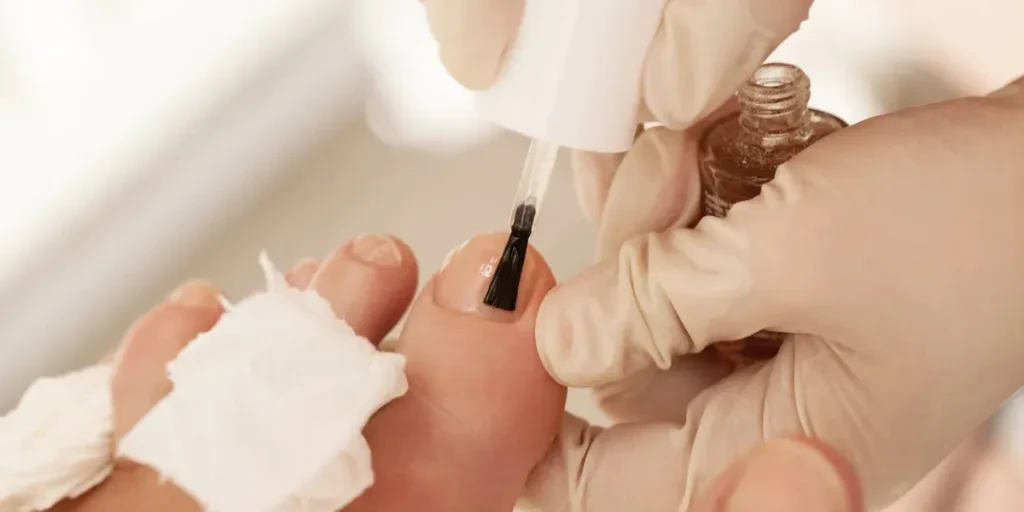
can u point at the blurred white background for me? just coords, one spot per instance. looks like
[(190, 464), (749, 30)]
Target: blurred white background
[(146, 141)]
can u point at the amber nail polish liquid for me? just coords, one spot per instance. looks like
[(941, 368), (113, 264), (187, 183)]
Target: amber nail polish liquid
[(740, 153)]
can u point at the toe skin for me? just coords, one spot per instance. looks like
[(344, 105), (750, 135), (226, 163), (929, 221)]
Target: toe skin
[(301, 274), (481, 411), (140, 376), (371, 297)]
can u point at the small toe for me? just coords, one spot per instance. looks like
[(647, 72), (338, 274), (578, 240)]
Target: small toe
[(301, 274), (370, 282), (140, 377)]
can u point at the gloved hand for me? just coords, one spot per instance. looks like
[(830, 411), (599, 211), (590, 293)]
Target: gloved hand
[(700, 55), (790, 475), (894, 246)]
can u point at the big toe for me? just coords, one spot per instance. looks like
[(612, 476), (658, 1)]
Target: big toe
[(481, 411)]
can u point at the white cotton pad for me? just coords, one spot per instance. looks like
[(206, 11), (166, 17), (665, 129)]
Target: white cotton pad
[(56, 443), (267, 409)]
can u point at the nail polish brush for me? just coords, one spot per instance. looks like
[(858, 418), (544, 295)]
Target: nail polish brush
[(571, 79)]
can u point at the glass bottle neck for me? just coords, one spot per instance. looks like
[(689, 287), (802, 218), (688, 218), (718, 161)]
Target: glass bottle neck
[(773, 102)]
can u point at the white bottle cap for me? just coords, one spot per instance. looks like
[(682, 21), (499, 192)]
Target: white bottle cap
[(572, 77)]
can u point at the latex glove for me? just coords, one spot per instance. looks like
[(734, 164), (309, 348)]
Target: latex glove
[(700, 55), (863, 241), (895, 245), (785, 475)]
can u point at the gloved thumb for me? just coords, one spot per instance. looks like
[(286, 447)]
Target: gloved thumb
[(791, 475), (668, 294)]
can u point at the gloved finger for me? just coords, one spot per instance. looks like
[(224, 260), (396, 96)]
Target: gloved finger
[(369, 281), (944, 489), (629, 466), (662, 395), (302, 273), (650, 191), (834, 247), (592, 176), (1013, 91), (473, 36), (596, 328), (481, 411), (785, 475), (704, 50), (656, 185), (140, 375), (668, 467)]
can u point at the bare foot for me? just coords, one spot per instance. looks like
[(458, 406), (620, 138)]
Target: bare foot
[(481, 410)]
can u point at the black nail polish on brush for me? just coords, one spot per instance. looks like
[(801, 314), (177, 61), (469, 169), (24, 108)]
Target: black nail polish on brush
[(503, 291)]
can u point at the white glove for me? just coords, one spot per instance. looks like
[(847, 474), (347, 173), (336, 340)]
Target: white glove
[(894, 245)]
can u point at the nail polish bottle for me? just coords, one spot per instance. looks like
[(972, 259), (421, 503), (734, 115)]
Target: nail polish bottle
[(740, 153)]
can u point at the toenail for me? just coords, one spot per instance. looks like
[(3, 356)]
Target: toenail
[(463, 281), (377, 250), (196, 294)]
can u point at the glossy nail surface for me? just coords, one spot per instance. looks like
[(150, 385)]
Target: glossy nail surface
[(463, 281)]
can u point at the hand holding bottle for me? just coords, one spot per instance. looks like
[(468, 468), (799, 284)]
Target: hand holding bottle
[(894, 246)]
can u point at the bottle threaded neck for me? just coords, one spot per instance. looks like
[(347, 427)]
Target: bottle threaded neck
[(775, 99)]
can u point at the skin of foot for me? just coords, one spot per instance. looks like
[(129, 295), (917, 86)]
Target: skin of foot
[(480, 413)]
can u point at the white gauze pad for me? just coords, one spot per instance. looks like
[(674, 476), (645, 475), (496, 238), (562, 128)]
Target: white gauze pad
[(267, 409), (56, 443)]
